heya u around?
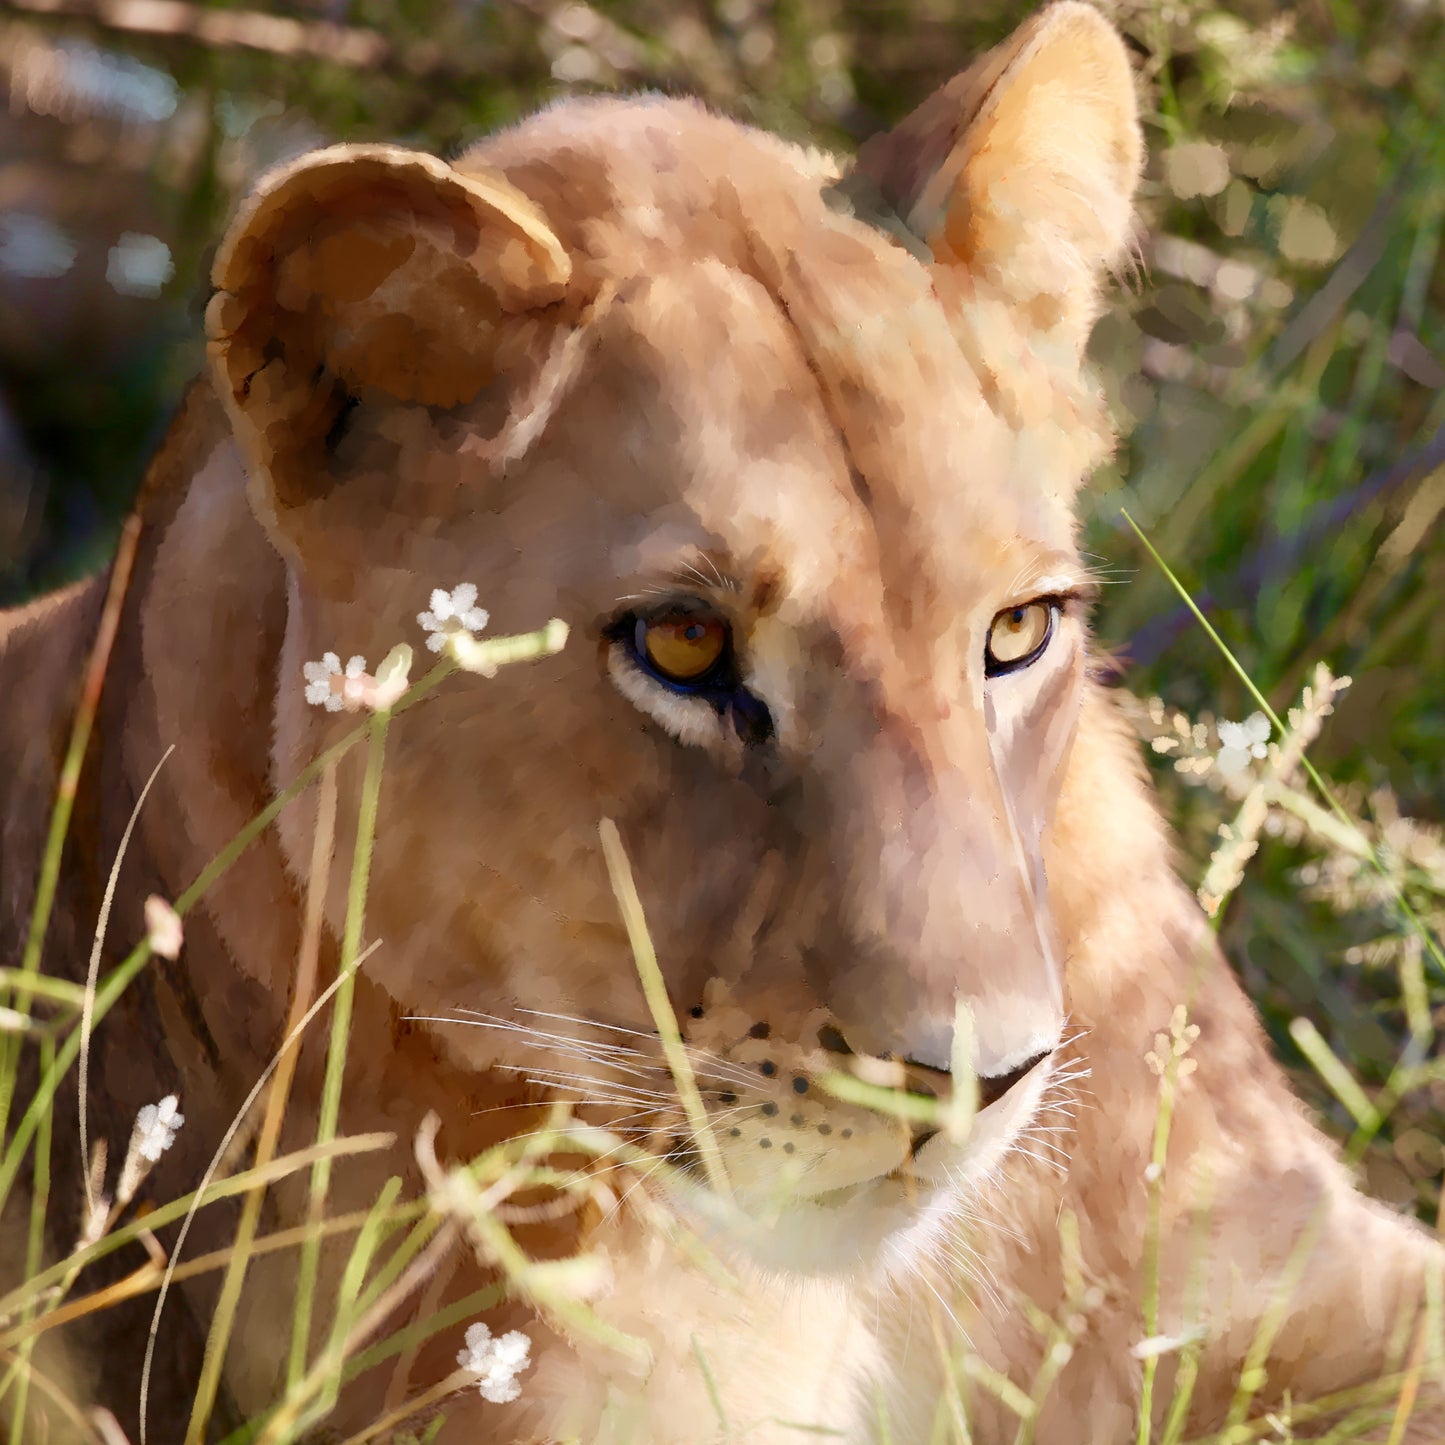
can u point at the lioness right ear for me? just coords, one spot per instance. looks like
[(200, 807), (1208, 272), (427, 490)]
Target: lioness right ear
[(362, 270), (1021, 171)]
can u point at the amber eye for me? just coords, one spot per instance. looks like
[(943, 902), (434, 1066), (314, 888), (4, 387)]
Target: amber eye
[(1018, 636), (681, 649)]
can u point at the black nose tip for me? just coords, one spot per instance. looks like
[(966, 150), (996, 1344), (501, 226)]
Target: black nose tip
[(993, 1087)]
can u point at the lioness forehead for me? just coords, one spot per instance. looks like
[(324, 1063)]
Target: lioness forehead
[(631, 183), (785, 370), (850, 502)]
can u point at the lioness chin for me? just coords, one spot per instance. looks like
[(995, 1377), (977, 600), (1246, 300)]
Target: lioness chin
[(792, 448)]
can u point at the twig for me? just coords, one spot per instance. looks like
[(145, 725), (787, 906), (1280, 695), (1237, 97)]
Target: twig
[(65, 793), (225, 29)]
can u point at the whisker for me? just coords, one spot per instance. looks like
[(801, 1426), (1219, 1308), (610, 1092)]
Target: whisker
[(565, 1044), (588, 1084), (928, 1284), (977, 1271), (704, 1062), (476, 1018)]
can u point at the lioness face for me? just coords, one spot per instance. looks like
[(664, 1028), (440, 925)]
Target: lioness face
[(638, 367)]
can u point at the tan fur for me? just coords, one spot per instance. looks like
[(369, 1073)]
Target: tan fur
[(630, 350)]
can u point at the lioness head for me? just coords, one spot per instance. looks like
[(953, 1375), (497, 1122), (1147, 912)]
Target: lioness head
[(793, 453)]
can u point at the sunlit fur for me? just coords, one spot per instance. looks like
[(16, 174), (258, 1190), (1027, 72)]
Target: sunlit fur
[(633, 350)]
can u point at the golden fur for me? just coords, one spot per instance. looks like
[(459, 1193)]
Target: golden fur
[(630, 355)]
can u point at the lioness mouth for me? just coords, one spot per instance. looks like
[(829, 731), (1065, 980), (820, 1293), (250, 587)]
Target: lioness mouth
[(993, 1088)]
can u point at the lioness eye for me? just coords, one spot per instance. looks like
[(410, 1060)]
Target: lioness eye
[(681, 649), (1018, 636)]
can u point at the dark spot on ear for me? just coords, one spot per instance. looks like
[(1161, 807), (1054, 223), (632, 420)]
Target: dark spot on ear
[(800, 1084), (345, 410), (759, 1031), (767, 1068), (769, 1109)]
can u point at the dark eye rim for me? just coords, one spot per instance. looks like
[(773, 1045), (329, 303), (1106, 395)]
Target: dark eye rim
[(992, 667), (720, 686)]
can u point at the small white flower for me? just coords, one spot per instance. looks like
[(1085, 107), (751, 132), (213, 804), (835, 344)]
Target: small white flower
[(318, 677), (156, 1126), (163, 928), (329, 687), (478, 1345), (1241, 741), (452, 612), (154, 1132), (495, 1362)]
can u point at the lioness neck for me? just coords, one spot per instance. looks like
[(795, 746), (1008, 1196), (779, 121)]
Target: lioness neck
[(1253, 1205)]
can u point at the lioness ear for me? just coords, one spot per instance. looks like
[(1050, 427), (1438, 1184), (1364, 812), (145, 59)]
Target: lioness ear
[(1023, 168), (361, 270)]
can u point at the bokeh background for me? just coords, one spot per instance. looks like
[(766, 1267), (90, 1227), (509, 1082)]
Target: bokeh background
[(1275, 364)]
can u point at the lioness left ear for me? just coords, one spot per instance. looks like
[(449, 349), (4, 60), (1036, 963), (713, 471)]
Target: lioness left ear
[(1022, 170), (365, 270)]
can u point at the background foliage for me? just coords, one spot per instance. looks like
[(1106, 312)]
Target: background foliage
[(1276, 365)]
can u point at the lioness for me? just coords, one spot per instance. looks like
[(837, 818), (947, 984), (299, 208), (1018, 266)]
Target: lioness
[(792, 450)]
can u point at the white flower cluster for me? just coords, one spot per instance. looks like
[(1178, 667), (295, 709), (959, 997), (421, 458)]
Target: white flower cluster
[(1172, 1047), (452, 612), (495, 1362), (1241, 741), (329, 687), (153, 1132), (156, 1126), (453, 616)]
